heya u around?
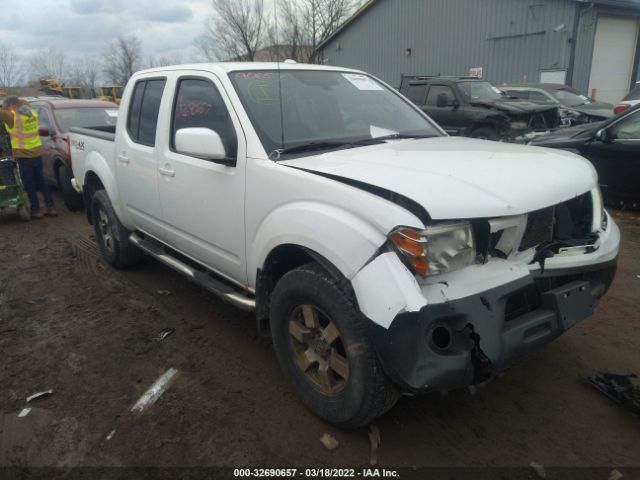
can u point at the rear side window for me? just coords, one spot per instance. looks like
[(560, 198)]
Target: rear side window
[(416, 93), (440, 94), (143, 113)]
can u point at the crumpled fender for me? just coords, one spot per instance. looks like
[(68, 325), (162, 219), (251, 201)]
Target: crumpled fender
[(385, 288)]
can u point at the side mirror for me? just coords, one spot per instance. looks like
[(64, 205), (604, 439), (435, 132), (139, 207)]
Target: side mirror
[(602, 135), (203, 143), (44, 131)]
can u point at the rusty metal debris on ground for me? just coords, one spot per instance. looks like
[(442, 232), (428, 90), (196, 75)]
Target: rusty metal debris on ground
[(539, 469), (623, 389), (155, 391), (329, 441), (165, 333), (616, 475), (374, 442), (38, 395)]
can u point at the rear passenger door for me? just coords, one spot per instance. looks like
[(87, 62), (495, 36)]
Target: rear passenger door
[(137, 155), (202, 201)]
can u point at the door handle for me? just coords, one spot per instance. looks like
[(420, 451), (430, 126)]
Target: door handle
[(167, 172), (122, 158)]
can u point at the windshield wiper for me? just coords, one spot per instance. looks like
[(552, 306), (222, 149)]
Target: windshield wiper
[(326, 145), (311, 146), (402, 136)]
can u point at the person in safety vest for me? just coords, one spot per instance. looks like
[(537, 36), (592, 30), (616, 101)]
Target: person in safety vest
[(21, 123)]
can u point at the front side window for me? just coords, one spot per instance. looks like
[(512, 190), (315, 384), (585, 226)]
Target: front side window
[(626, 129), (143, 111), (322, 106), (199, 105)]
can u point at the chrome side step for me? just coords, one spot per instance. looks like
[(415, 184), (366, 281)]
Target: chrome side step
[(224, 291)]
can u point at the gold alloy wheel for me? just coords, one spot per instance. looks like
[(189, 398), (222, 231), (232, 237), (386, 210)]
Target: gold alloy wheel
[(318, 349)]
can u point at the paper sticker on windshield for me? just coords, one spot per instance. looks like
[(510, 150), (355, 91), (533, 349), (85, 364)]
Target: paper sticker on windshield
[(497, 90), (362, 82), (112, 113)]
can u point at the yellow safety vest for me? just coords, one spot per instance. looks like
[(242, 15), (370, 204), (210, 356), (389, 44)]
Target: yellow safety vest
[(24, 133)]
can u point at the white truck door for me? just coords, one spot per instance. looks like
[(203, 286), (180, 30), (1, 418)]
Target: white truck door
[(202, 201), (137, 155)]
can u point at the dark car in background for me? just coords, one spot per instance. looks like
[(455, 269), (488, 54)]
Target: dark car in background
[(575, 108), (613, 146), (475, 108), (57, 116)]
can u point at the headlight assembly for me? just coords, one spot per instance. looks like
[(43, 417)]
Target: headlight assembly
[(438, 249)]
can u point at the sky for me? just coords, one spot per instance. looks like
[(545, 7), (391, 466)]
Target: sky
[(79, 27)]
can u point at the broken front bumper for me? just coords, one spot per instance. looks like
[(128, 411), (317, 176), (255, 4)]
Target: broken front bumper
[(461, 342)]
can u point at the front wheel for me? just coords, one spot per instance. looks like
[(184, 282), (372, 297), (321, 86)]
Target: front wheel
[(111, 235), (321, 342)]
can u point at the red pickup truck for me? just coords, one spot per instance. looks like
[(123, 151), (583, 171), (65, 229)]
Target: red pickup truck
[(57, 116)]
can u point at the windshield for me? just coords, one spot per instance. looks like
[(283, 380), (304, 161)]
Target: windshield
[(480, 92), (324, 107), (85, 117), (570, 98)]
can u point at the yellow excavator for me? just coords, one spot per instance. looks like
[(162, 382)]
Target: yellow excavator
[(51, 86), (110, 93)]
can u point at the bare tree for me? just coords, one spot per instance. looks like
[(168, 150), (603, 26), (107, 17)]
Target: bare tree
[(305, 24), (235, 32), (48, 63), (122, 59), (9, 64), (164, 60)]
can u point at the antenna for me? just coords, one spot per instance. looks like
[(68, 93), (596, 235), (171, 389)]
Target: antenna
[(275, 11)]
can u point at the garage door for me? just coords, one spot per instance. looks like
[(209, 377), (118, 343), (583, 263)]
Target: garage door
[(613, 55)]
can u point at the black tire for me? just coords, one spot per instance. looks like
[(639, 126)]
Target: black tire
[(72, 199), (485, 133), (111, 235), (366, 393)]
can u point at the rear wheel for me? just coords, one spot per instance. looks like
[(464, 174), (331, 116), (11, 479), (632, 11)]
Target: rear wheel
[(321, 343), (111, 235), (72, 199), (484, 133)]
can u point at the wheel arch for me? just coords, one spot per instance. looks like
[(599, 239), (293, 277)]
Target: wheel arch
[(281, 260), (98, 175)]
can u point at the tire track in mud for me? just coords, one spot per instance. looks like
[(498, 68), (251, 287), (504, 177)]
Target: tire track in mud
[(85, 253)]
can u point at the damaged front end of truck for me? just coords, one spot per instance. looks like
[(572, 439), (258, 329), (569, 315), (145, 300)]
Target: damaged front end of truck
[(458, 303)]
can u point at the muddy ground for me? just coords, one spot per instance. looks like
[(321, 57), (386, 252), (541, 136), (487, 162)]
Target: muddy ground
[(70, 323)]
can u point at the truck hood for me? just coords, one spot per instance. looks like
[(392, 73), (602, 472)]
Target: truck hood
[(596, 109), (459, 178), (516, 106)]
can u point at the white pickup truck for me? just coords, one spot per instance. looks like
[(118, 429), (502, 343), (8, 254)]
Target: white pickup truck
[(382, 256)]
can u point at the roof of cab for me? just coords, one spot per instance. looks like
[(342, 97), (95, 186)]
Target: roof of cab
[(62, 102), (226, 67)]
